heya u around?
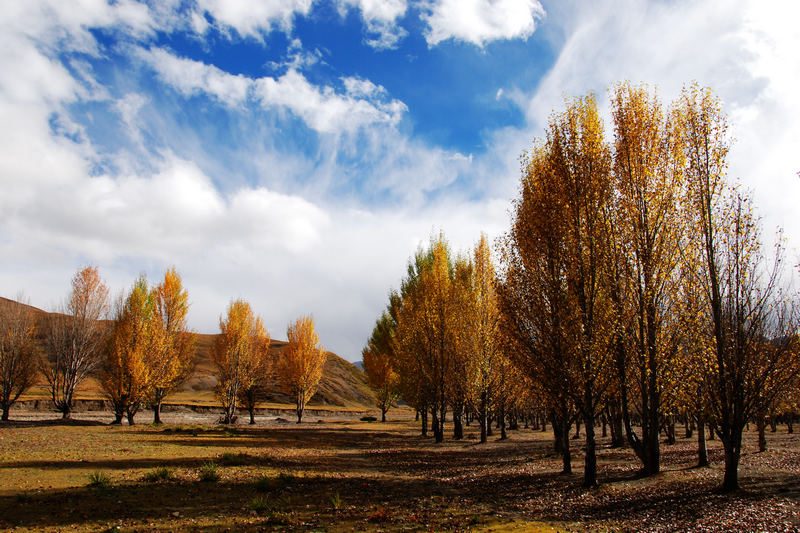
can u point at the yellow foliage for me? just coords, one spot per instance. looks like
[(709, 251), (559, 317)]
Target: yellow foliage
[(300, 365)]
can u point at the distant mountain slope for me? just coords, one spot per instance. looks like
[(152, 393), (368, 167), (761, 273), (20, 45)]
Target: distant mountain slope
[(342, 383)]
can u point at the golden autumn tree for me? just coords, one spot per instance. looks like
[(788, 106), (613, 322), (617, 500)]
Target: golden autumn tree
[(482, 336), (299, 366), (126, 376), (239, 352), (75, 337), (534, 294), (648, 184), (750, 327), (378, 357), (459, 386), (18, 352), (414, 387), (171, 359), (555, 294), (426, 329), (255, 389)]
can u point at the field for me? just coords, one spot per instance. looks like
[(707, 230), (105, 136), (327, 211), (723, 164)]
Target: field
[(341, 474)]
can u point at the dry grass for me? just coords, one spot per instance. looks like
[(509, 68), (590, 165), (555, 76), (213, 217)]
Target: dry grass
[(353, 476)]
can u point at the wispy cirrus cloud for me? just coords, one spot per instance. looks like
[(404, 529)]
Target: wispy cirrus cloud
[(324, 109)]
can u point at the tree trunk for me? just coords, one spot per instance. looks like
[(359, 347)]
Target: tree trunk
[(670, 427), (702, 452), (383, 414), (301, 406), (131, 415), (252, 410), (482, 415), (442, 416), (458, 428), (66, 412), (5, 413), (558, 440), (688, 428), (566, 456), (577, 430), (157, 412), (424, 415), (761, 425), (501, 419), (590, 459), (437, 436), (731, 480)]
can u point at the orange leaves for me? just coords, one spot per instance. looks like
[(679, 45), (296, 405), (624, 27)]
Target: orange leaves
[(173, 344), (125, 375), (241, 353), (151, 349), (300, 365)]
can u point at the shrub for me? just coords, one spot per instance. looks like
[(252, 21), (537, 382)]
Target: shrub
[(336, 501), (162, 473), (208, 472), (235, 459), (268, 484), (99, 480), (264, 504)]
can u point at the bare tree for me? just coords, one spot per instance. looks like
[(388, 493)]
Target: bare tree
[(18, 353), (74, 338)]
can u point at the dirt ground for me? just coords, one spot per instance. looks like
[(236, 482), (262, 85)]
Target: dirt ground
[(337, 473)]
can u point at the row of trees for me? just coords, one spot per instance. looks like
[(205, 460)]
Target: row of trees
[(632, 285), (146, 351), (246, 365)]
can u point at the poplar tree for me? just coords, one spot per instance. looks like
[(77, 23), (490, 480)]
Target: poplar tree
[(300, 364), (171, 359), (239, 353), (378, 357), (126, 376)]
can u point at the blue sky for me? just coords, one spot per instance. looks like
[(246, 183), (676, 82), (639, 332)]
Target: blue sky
[(296, 152)]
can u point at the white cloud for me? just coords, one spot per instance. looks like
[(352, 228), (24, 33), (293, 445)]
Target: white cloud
[(128, 108), (251, 18), (321, 108), (480, 21), (193, 77), (381, 20)]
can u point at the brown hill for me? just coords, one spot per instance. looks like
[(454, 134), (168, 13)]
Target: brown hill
[(342, 384)]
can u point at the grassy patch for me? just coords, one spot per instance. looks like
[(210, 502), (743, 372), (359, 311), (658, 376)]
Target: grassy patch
[(208, 473), (98, 480), (161, 473)]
